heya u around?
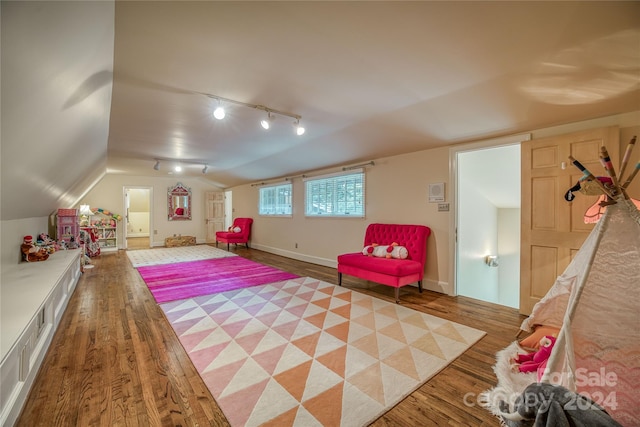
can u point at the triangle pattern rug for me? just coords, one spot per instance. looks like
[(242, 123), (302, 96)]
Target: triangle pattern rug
[(304, 352)]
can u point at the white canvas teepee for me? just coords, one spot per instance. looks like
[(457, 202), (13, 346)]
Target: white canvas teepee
[(597, 352), (596, 305)]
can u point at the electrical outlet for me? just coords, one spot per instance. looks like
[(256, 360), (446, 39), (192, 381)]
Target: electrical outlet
[(443, 207)]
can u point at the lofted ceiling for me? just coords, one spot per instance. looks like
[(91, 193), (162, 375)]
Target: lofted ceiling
[(95, 88), (370, 79)]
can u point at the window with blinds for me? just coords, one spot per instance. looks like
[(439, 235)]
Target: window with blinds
[(275, 200), (340, 195)]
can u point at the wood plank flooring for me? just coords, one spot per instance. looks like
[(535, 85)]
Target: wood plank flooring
[(115, 360)]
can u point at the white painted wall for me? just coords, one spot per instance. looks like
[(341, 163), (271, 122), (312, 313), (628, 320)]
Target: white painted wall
[(108, 194), (509, 255)]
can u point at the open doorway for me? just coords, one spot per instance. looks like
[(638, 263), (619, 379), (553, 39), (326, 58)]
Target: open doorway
[(137, 233), (487, 221)]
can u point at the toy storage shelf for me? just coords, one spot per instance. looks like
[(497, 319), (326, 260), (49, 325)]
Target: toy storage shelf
[(107, 238), (106, 230)]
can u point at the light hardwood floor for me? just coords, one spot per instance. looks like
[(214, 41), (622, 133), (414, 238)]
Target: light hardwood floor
[(134, 243), (116, 361)]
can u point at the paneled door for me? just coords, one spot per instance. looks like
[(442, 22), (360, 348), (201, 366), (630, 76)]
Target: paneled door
[(552, 228), (214, 214)]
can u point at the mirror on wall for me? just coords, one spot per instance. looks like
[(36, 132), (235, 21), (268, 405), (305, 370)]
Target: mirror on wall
[(179, 203)]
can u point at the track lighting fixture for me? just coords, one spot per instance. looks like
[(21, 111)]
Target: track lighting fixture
[(266, 123), (219, 112), (178, 164)]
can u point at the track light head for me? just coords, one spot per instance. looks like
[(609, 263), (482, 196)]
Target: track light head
[(157, 165), (204, 169), (266, 123), (299, 128), (178, 168)]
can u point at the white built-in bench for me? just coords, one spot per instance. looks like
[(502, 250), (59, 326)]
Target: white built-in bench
[(33, 298)]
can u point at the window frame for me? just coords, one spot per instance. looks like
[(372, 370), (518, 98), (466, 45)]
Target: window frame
[(275, 206), (339, 204)]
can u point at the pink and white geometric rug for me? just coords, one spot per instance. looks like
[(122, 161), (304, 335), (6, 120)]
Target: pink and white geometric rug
[(308, 353)]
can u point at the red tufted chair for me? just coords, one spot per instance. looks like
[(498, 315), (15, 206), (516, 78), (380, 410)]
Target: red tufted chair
[(390, 272), (232, 237)]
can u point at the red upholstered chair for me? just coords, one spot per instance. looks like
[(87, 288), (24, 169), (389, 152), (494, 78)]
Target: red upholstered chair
[(242, 236), (389, 271)]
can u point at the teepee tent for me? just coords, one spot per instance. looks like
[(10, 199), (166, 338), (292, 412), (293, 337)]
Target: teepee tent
[(595, 303), (597, 352)]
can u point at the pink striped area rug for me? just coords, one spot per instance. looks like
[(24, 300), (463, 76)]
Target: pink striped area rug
[(177, 281)]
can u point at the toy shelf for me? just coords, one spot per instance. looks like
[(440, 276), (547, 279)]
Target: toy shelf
[(107, 238)]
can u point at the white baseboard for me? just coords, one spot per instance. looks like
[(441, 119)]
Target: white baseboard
[(137, 234), (432, 285), (437, 286), (333, 263)]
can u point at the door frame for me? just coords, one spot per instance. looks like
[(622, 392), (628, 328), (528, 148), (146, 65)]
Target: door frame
[(451, 287), (125, 189)]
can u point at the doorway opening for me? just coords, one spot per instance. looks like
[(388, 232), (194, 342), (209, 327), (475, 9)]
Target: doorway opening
[(487, 221), (138, 229)]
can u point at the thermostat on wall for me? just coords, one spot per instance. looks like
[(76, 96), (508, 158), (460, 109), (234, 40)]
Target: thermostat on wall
[(436, 192)]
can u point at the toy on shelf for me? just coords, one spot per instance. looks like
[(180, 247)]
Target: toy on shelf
[(46, 242), (115, 216), (31, 252)]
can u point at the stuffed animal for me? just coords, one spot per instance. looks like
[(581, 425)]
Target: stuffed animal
[(536, 361), (389, 249), (32, 253), (394, 250), (368, 250)]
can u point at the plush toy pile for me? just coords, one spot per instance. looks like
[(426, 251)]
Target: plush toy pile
[(31, 252)]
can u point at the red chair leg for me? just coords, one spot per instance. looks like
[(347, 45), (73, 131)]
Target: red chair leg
[(397, 295)]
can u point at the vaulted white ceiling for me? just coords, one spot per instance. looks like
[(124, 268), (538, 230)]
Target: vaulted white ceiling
[(370, 79)]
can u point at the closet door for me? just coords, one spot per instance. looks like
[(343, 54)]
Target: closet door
[(552, 228)]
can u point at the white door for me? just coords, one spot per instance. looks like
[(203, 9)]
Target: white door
[(214, 214)]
